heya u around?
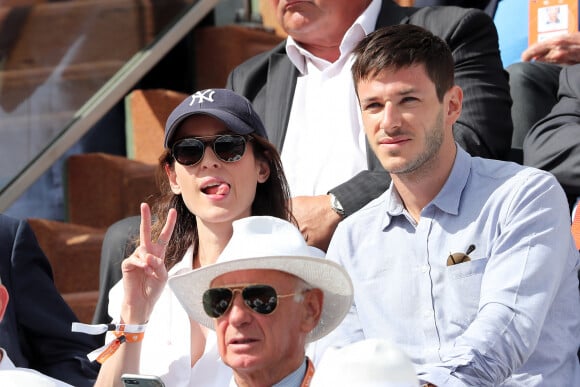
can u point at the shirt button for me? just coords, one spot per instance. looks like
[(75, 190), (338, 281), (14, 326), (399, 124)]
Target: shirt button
[(428, 313), (424, 268)]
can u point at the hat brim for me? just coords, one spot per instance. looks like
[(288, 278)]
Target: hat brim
[(233, 123), (320, 273)]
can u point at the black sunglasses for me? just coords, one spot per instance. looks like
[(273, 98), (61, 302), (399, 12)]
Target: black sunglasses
[(227, 147), (260, 298)]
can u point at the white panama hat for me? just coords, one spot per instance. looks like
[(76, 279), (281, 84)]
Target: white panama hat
[(366, 363), (265, 242)]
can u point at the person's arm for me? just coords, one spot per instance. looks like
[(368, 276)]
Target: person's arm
[(553, 143), (529, 261), (144, 277), (41, 318), (361, 189)]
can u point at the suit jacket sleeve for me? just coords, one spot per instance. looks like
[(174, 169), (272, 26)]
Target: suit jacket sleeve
[(553, 143), (36, 328)]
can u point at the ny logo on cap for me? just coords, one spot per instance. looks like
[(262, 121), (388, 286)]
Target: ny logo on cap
[(205, 95)]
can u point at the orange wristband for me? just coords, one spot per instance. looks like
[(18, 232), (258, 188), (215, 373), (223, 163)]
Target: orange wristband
[(110, 349), (121, 337), (130, 337)]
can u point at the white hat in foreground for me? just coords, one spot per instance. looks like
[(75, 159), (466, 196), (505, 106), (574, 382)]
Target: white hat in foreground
[(367, 363), (265, 242)]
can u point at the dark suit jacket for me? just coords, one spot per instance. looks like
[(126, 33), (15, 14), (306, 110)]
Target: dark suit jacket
[(553, 143), (483, 129), (488, 6), (36, 328)]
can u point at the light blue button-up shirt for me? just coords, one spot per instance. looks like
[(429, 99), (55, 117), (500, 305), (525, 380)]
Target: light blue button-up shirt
[(509, 316)]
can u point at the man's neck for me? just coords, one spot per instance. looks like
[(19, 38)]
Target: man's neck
[(327, 47), (267, 377), (419, 188), (213, 237), (329, 53)]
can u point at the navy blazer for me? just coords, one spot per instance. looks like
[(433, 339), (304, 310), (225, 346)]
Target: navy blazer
[(36, 328), (483, 129)]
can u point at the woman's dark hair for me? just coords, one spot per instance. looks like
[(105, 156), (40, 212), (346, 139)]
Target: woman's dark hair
[(272, 198)]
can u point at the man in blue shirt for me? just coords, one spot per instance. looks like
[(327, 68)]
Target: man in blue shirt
[(465, 263)]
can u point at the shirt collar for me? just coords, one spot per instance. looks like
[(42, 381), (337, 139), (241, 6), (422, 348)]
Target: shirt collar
[(292, 380), (295, 378), (185, 265), (362, 26), (6, 363), (447, 200)]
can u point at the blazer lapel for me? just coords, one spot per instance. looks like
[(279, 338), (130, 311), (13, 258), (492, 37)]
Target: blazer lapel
[(279, 94)]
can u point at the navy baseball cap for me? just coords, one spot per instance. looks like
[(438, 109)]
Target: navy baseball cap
[(232, 109)]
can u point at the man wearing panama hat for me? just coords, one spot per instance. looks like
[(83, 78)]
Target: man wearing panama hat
[(289, 296)]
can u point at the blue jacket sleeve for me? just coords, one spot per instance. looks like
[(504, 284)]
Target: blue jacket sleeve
[(36, 328)]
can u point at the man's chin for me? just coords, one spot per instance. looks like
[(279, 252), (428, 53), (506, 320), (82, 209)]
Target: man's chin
[(243, 363)]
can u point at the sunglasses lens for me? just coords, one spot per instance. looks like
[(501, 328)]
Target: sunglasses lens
[(260, 298), (229, 148), (188, 151), (216, 301)]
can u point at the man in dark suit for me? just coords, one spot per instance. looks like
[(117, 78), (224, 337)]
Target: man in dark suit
[(269, 80), (36, 328), (553, 143), (319, 28), (534, 81)]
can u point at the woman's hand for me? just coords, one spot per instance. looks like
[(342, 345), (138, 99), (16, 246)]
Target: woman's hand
[(144, 272)]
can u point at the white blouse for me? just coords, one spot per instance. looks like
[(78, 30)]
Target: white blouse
[(166, 349)]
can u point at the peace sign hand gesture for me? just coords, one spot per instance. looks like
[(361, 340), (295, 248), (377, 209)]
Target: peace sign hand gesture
[(144, 272)]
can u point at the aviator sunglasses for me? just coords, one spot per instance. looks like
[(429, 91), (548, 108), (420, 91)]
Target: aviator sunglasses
[(227, 147), (261, 299)]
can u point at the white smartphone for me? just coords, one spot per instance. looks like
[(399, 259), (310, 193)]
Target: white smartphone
[(133, 380)]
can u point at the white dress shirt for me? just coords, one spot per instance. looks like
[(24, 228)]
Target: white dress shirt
[(325, 143)]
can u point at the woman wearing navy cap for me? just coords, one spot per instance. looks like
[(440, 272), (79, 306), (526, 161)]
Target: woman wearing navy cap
[(220, 167)]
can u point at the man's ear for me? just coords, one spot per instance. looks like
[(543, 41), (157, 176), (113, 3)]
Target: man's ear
[(454, 99), (313, 302), (4, 297)]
